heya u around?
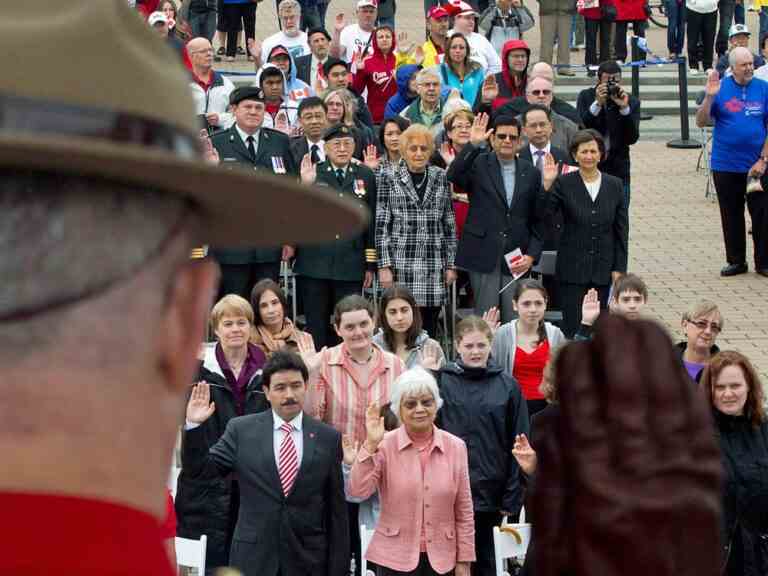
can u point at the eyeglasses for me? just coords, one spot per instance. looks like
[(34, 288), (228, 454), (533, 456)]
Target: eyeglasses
[(504, 136), (541, 92), (703, 324), (462, 127), (341, 143), (412, 403), (207, 51)]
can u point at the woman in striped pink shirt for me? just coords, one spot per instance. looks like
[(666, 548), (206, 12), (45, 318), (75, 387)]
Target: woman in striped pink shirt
[(351, 376), (354, 373)]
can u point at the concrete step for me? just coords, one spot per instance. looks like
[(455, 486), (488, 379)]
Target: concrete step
[(647, 92), (661, 107)]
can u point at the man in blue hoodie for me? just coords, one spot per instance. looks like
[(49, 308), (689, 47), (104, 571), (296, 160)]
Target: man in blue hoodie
[(406, 90)]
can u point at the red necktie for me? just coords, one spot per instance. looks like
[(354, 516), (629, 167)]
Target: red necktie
[(289, 460)]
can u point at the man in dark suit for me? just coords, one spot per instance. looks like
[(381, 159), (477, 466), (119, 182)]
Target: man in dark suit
[(328, 272), (502, 215), (293, 515), (310, 66), (248, 144), (615, 114), (537, 127), (314, 122)]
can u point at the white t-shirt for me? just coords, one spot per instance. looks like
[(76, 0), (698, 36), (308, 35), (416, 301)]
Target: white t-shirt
[(296, 45), (354, 38), (483, 52)]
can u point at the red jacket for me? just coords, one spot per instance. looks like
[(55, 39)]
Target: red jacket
[(595, 13), (630, 10), (378, 77)]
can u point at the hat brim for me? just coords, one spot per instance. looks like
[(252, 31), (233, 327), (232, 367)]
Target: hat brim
[(240, 208)]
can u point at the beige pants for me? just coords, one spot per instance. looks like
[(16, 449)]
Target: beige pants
[(556, 27)]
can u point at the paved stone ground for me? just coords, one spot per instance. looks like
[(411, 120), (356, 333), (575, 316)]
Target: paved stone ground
[(675, 239)]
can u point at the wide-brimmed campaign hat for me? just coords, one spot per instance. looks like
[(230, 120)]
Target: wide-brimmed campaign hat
[(103, 96)]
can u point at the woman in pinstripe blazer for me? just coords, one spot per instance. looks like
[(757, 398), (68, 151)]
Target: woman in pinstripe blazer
[(415, 226), (593, 247)]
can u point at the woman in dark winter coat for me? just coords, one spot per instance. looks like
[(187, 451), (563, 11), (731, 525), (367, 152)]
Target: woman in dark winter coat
[(736, 396), (208, 505), (484, 407)]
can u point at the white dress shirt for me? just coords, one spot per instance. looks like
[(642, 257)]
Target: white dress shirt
[(296, 434), (244, 137)]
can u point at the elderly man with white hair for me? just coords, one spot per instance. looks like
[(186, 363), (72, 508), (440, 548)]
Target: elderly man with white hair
[(291, 37), (738, 106), (421, 472)]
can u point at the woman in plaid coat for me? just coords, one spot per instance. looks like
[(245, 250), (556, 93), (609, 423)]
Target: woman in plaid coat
[(415, 226)]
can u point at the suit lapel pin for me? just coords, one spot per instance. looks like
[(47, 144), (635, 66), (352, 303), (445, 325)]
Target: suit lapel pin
[(312, 435)]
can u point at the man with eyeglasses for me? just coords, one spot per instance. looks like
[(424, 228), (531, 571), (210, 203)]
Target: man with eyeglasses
[(427, 109), (210, 89), (328, 272), (540, 91), (248, 143), (502, 212), (615, 114), (313, 118)]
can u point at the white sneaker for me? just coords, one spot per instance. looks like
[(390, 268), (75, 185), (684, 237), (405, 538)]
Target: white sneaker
[(693, 72)]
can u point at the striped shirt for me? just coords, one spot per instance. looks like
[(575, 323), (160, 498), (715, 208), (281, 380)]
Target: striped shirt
[(339, 399)]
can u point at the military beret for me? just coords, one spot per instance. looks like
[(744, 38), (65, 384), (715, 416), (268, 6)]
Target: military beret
[(338, 131), (246, 93)]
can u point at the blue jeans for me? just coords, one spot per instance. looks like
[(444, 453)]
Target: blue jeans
[(676, 26), (203, 25), (738, 14), (763, 24)]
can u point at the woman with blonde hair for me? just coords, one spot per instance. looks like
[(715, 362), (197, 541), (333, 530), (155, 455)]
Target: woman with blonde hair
[(342, 109), (701, 325), (737, 399), (415, 226)]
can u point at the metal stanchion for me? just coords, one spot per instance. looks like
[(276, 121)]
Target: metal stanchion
[(636, 77), (685, 140)]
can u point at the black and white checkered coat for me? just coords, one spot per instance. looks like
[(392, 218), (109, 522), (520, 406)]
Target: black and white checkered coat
[(417, 239)]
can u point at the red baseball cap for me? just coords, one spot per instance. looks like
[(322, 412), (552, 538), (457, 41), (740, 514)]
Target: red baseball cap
[(437, 12)]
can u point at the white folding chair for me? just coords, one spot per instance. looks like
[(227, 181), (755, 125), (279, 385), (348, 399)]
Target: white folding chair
[(510, 541), (365, 538), (191, 553)]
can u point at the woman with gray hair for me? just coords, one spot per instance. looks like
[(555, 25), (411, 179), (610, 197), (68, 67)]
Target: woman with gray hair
[(426, 525)]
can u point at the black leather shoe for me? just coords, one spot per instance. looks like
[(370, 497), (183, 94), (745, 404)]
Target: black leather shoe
[(763, 272), (734, 270)]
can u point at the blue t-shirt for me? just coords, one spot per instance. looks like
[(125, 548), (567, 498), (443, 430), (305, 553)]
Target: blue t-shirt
[(740, 114)]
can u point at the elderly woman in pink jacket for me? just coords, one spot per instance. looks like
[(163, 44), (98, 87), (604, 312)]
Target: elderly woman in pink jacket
[(426, 525)]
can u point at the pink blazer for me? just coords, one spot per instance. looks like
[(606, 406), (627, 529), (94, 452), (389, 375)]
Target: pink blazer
[(443, 494)]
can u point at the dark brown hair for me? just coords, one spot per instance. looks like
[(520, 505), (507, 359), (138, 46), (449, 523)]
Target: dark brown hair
[(531, 284), (394, 293), (584, 136), (351, 303), (753, 408), (266, 285), (629, 283)]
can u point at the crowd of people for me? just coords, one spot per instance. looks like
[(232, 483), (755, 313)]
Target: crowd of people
[(470, 167)]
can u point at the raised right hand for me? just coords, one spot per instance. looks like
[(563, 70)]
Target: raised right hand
[(371, 156), (490, 90), (374, 427), (492, 318), (339, 24), (524, 454), (350, 448), (200, 407), (308, 170), (480, 132), (254, 48), (590, 307), (713, 83)]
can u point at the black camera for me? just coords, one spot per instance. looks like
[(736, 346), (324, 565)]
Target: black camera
[(614, 89)]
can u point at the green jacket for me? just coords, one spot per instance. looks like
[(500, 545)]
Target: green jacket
[(348, 257), (273, 155)]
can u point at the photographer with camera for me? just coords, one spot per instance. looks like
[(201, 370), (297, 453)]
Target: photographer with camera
[(615, 114)]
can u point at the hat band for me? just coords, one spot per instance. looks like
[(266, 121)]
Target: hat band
[(21, 116)]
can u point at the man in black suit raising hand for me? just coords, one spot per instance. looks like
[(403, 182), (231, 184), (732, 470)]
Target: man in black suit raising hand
[(293, 516)]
